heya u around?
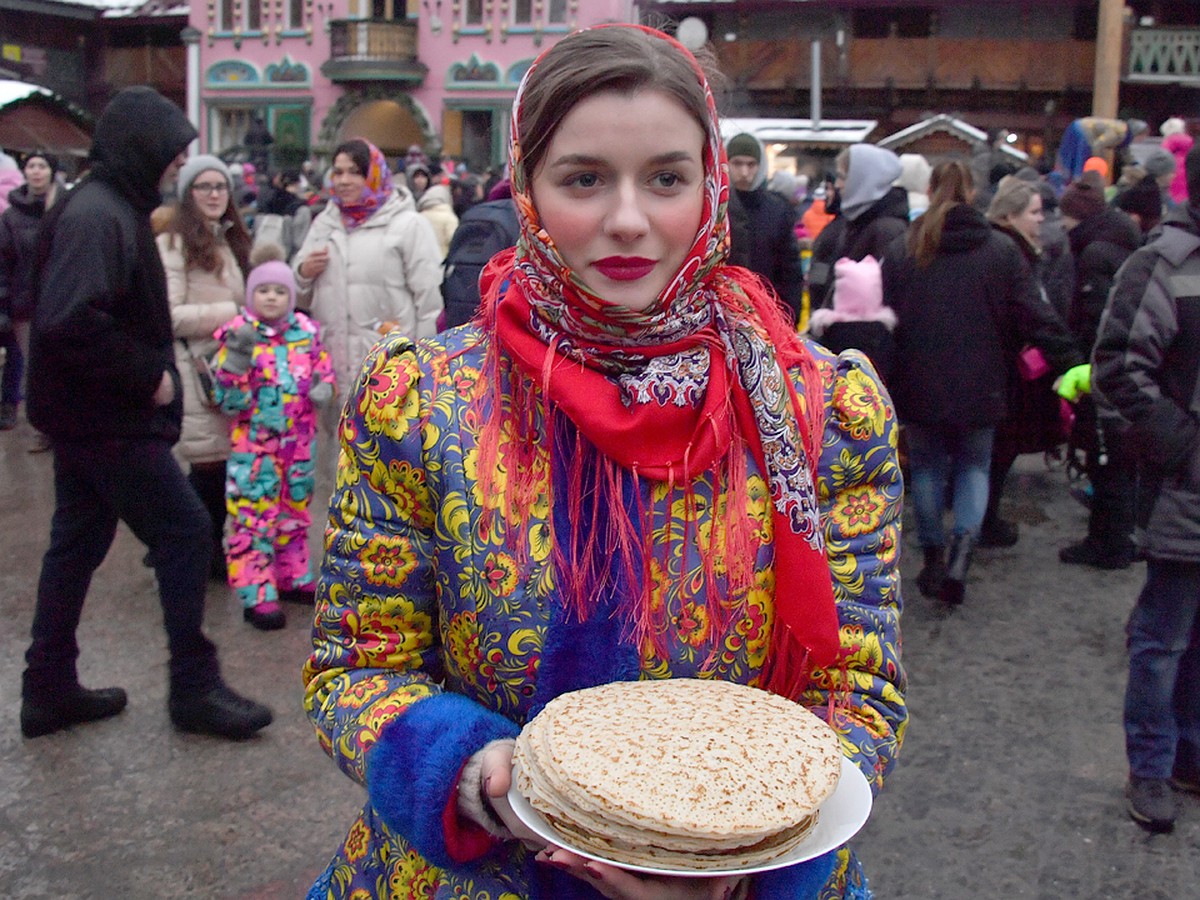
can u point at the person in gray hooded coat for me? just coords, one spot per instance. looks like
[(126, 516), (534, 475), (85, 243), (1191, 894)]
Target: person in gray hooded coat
[(873, 212)]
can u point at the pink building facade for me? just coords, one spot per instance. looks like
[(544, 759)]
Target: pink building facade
[(438, 73)]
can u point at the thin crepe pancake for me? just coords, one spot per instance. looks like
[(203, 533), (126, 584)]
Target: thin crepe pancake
[(680, 773)]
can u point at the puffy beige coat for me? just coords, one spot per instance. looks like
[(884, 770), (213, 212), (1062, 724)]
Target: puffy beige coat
[(388, 269), (200, 302), (435, 205)]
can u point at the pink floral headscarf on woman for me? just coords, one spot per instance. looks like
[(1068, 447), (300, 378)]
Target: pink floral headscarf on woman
[(378, 188)]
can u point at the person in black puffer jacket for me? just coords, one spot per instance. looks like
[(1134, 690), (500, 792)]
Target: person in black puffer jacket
[(762, 236), (1101, 239), (18, 238), (872, 213), (966, 303), (103, 385)]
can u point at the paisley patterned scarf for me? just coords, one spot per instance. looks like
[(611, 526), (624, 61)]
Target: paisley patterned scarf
[(668, 393), (375, 193)]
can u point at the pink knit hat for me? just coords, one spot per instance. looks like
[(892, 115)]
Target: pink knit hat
[(273, 272)]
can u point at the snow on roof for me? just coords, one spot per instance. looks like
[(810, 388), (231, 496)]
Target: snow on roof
[(826, 131), (111, 9), (951, 125), (12, 91)]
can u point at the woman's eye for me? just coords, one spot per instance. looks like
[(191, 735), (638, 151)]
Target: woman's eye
[(667, 179), (583, 180)]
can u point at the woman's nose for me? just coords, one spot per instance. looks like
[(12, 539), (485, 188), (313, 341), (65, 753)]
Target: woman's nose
[(627, 219)]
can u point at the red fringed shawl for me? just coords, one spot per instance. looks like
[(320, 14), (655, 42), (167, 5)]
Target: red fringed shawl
[(669, 393)]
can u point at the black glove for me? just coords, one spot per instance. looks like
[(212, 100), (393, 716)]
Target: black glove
[(239, 347)]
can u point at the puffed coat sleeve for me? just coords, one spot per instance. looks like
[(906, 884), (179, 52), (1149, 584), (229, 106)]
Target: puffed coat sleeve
[(372, 681), (420, 272), (861, 489)]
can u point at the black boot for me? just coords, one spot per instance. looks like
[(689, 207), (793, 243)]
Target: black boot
[(44, 715), (962, 545), (934, 572), (997, 532), (219, 711)]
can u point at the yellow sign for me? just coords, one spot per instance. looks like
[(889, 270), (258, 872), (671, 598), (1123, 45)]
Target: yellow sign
[(12, 52)]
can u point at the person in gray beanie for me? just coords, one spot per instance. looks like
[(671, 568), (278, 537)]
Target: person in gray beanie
[(1160, 165), (202, 163), (763, 236)]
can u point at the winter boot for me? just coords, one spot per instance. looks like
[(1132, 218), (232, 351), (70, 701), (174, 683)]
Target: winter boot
[(934, 572), (962, 545)]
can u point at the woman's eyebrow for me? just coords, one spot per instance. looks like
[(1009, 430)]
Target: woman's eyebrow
[(583, 159)]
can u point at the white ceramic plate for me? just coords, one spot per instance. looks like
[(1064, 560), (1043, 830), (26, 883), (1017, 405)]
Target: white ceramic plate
[(842, 815)]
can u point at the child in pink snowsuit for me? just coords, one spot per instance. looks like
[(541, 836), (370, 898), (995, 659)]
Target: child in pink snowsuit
[(271, 372)]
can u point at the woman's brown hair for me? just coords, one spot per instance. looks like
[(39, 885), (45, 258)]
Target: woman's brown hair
[(949, 185), (590, 62), (201, 242)]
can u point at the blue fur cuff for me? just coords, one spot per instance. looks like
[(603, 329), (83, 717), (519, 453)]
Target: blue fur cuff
[(414, 766)]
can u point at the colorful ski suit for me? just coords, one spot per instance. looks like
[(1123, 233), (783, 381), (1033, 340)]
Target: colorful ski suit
[(269, 477)]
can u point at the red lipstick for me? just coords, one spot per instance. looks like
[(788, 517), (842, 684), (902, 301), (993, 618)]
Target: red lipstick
[(624, 268)]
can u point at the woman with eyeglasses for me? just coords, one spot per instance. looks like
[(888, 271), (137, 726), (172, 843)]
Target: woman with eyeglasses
[(205, 252)]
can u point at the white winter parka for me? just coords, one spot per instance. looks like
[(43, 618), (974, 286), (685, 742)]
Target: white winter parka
[(388, 269)]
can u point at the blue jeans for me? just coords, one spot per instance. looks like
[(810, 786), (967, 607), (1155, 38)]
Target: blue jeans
[(96, 484), (938, 456), (1162, 700)]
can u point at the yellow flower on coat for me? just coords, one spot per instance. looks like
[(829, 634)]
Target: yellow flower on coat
[(388, 402), (859, 511), (692, 622), (500, 573), (405, 485), (861, 649), (360, 894), (862, 408), (462, 643), (412, 878), (363, 692), (387, 559), (358, 841)]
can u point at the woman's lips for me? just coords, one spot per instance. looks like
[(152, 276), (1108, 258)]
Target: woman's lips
[(624, 268)]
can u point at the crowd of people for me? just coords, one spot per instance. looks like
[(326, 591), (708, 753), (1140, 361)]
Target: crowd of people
[(629, 462)]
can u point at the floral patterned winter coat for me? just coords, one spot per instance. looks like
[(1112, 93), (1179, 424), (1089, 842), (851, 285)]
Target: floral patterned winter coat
[(429, 633)]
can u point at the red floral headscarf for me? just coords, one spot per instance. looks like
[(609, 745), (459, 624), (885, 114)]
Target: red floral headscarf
[(378, 188), (673, 391)]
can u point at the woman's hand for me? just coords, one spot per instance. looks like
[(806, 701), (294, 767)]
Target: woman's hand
[(611, 881), (315, 263), (621, 884), (496, 777)]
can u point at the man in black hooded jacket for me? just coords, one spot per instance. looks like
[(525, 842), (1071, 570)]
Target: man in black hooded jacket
[(103, 385)]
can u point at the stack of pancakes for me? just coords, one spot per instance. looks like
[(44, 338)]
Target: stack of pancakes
[(683, 774)]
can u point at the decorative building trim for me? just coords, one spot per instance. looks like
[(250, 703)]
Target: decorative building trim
[(288, 73), (327, 137), (477, 75), (474, 73), (232, 73), (517, 71)]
